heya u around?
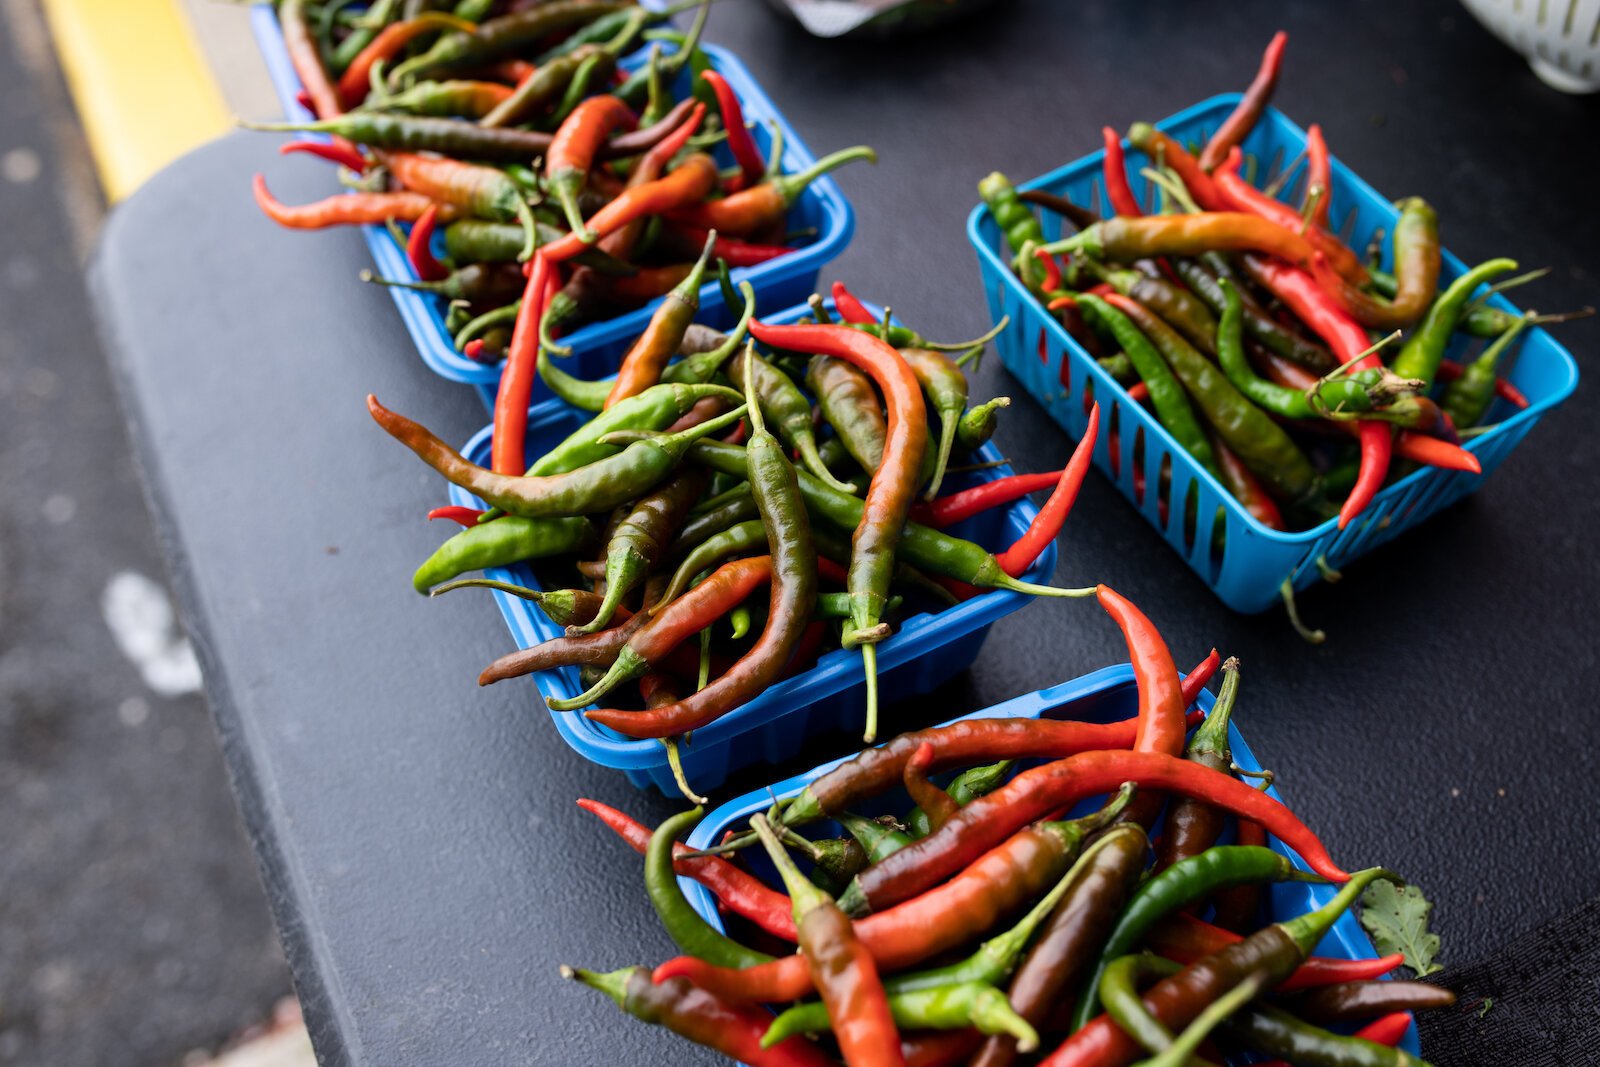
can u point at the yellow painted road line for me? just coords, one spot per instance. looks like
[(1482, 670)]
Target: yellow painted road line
[(141, 86)]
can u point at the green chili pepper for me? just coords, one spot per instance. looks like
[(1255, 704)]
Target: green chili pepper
[(879, 837), (1180, 885), (946, 389), (1016, 220), (1278, 1033), (788, 410), (378, 15), (967, 787), (979, 424), (735, 506), (837, 605), (1423, 351), (424, 133), (597, 487), (1176, 305), (543, 87), (952, 1007), (739, 539), (1119, 994), (500, 543), (703, 366), (1260, 326), (504, 37), (1467, 398), (636, 89), (1360, 392), (850, 405), (683, 924), (1261, 444), (639, 540), (1166, 395)]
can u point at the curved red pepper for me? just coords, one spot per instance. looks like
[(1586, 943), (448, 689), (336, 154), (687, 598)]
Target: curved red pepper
[(340, 151), (1118, 192), (849, 308), (419, 248), (507, 453), (1046, 525), (740, 143), (467, 517), (954, 507), (1319, 175)]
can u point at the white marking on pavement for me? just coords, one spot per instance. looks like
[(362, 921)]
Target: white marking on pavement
[(21, 166), (141, 620)]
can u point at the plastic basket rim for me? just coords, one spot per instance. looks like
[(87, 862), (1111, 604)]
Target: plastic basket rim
[(621, 753), (1534, 410), (423, 321)]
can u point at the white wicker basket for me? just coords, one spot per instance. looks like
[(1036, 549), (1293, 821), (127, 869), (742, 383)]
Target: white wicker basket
[(1559, 38)]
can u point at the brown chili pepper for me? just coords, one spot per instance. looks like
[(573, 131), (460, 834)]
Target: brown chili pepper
[(842, 969), (1074, 935), (794, 592), (1127, 239), (640, 540), (1238, 909), (1237, 126), (1193, 825), (938, 804), (1355, 1001), (589, 650)]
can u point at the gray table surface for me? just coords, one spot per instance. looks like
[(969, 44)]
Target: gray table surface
[(417, 836)]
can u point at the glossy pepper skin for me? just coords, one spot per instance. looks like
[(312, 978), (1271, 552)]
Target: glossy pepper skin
[(1191, 826), (503, 37), (687, 183), (1350, 1001), (849, 404), (572, 152), (841, 967), (587, 650), (794, 594), (789, 411), (894, 483), (1127, 239), (598, 487), (751, 210), (501, 543), (1417, 262), (1237, 126), (647, 357), (1187, 882), (1072, 938), (729, 1028), (484, 192), (1206, 283), (688, 930), (945, 387), (1467, 399), (1161, 698), (640, 540), (1278, 1033), (1272, 953), (1423, 351), (1184, 938)]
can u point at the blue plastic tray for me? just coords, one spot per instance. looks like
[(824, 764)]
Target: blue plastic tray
[(778, 283), (1248, 566), (925, 651), (1107, 695)]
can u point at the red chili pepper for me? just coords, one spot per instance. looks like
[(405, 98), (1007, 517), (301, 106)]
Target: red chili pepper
[(1061, 302), (849, 308), (517, 377), (831, 570), (740, 143), (808, 647), (306, 59), (345, 209), (340, 151), (1118, 192), (1238, 125), (419, 248), (1319, 173), (390, 41), (735, 252), (739, 891), (1157, 145), (953, 508), (1242, 196), (1245, 486), (1449, 372), (1052, 270), (1345, 337), (1046, 525), (1186, 939), (1161, 718), (1385, 1031), (467, 517), (572, 151), (1138, 392), (474, 350)]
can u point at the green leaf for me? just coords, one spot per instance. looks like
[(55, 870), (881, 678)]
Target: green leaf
[(1396, 919)]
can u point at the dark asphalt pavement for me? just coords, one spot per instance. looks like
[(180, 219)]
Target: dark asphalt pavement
[(132, 925)]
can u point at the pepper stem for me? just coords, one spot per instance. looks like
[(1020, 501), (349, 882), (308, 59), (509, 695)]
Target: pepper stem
[(1212, 737), (1314, 637), (804, 896), (436, 288), (688, 290), (702, 366), (500, 316), (869, 665), (627, 666), (613, 985), (676, 444), (1002, 580), (579, 392), (675, 761), (530, 228), (758, 422), (812, 461), (790, 186), (1306, 930), (1182, 1050), (555, 315)]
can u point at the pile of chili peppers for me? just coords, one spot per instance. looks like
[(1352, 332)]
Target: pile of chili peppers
[(1255, 335), (510, 125), (973, 923), (758, 505)]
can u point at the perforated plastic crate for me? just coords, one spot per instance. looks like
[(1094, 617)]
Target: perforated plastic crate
[(1242, 560), (1107, 695), (598, 345)]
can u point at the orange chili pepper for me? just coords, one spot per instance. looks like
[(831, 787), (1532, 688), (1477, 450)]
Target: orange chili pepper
[(345, 209), (357, 79), (572, 153)]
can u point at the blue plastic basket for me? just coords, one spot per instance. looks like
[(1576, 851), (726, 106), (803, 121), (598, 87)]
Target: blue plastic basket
[(597, 346), (1107, 695), (1247, 565), (925, 651)]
